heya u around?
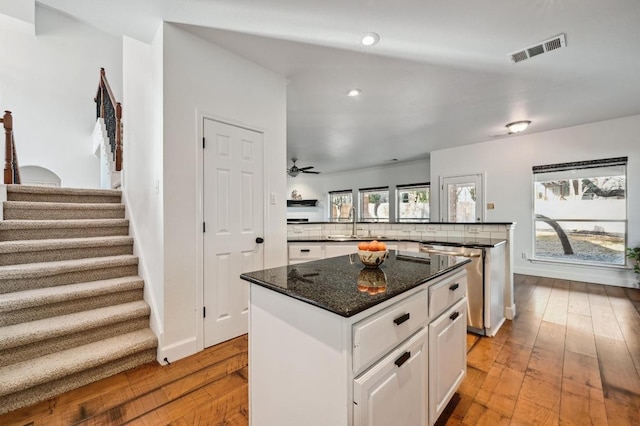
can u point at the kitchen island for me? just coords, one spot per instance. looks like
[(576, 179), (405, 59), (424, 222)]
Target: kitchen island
[(334, 343)]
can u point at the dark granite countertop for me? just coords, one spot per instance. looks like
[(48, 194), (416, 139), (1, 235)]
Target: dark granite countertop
[(468, 241), (333, 283), (348, 222)]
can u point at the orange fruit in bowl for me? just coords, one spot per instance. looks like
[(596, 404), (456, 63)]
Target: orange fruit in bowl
[(373, 246), (363, 246), (382, 246)]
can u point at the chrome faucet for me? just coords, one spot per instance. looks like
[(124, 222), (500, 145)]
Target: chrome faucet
[(353, 219)]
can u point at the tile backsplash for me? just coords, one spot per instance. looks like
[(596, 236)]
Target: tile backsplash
[(400, 230)]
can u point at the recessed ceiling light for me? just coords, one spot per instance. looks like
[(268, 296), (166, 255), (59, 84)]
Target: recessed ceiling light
[(354, 92), (518, 126), (370, 39)]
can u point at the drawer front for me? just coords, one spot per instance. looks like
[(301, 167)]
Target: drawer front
[(378, 334), (305, 252), (446, 293)]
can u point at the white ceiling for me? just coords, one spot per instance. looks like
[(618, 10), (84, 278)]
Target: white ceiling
[(439, 77)]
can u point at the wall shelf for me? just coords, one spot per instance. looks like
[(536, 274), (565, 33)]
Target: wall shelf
[(302, 203)]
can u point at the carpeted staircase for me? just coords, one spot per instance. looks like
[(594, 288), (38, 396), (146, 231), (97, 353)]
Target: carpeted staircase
[(71, 301)]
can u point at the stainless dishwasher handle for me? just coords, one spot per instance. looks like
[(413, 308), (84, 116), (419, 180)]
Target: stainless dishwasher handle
[(449, 253)]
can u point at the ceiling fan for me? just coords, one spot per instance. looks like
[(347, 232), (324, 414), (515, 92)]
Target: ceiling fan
[(295, 170)]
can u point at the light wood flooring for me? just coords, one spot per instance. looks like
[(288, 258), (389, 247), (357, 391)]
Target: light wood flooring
[(571, 356)]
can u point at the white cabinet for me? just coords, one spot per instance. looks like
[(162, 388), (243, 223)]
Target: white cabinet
[(392, 364), (304, 252), (394, 391), (447, 357)]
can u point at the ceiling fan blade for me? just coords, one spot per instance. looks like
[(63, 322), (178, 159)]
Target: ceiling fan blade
[(308, 171), (305, 168)]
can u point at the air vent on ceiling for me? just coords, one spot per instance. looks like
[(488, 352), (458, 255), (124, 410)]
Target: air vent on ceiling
[(538, 49)]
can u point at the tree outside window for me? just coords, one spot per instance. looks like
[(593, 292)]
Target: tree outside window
[(413, 202), (340, 203), (374, 204), (580, 212)]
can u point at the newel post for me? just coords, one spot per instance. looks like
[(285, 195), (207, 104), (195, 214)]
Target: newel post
[(7, 121), (118, 136)]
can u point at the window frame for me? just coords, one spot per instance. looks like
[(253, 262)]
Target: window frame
[(330, 195), (361, 193), (401, 188), (575, 167)]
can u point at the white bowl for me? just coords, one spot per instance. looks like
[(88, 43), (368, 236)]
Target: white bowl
[(372, 259)]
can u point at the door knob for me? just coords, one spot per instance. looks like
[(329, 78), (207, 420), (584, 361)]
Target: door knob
[(259, 240)]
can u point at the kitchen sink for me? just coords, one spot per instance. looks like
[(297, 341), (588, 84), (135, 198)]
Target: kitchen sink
[(355, 237), (342, 237)]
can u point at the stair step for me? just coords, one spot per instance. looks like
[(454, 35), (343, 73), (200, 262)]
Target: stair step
[(27, 210), (31, 305), (33, 339), (49, 274), (62, 195), (35, 251), (12, 230), (37, 371)]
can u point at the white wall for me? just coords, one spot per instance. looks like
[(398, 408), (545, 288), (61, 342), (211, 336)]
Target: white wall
[(48, 81), (317, 186), (22, 10), (201, 77), (508, 162), (142, 168)]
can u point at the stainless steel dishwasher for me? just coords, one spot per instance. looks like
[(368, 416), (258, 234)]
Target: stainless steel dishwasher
[(485, 305)]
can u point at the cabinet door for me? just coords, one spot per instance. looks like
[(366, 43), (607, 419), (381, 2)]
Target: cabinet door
[(394, 391), (447, 357)]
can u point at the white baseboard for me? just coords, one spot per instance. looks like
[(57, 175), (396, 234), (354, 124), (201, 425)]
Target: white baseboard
[(620, 278), (178, 350), (510, 312)]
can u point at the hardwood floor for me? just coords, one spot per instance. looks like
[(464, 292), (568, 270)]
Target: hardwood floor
[(571, 356), (208, 388)]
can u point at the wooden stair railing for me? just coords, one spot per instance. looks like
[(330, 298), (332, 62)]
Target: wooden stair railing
[(111, 112), (11, 170)]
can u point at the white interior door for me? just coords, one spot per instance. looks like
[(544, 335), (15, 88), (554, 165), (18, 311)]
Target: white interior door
[(462, 198), (233, 206)]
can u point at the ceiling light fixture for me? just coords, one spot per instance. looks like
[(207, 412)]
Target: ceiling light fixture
[(518, 126), (354, 92), (370, 39)]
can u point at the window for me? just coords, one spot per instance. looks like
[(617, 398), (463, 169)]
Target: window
[(374, 204), (413, 202), (340, 203), (580, 211)]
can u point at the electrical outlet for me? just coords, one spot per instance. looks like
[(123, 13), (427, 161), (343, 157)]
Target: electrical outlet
[(524, 255), (474, 229)]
